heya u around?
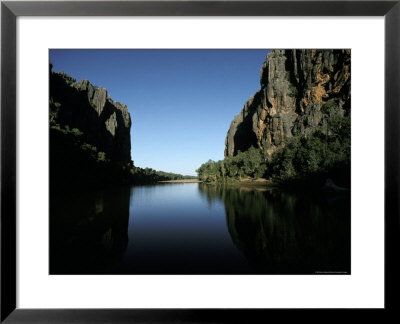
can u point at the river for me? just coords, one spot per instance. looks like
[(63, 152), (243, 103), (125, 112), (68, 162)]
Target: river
[(193, 228)]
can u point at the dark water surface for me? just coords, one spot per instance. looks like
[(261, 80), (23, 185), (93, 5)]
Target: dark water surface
[(191, 228)]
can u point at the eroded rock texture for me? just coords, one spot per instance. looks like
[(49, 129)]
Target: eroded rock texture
[(105, 123), (300, 91)]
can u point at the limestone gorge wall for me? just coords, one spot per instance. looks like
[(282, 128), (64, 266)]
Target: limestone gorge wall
[(105, 123), (300, 91)]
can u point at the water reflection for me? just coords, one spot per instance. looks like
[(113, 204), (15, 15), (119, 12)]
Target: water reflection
[(283, 233), (198, 229), (88, 230), (173, 230)]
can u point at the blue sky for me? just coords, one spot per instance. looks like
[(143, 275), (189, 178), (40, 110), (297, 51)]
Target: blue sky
[(181, 101)]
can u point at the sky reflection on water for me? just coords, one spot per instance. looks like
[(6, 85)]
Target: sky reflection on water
[(194, 228)]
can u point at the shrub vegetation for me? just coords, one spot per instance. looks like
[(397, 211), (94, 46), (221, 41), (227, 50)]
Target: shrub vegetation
[(324, 153)]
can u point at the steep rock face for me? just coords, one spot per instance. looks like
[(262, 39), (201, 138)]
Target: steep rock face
[(300, 91), (105, 123)]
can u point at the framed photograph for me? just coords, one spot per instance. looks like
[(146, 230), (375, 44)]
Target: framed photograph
[(197, 161)]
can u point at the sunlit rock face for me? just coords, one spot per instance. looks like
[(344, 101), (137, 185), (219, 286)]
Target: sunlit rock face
[(300, 91), (105, 123)]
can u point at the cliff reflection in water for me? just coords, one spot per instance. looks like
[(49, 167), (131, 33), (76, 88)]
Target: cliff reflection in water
[(198, 229), (88, 230), (283, 233)]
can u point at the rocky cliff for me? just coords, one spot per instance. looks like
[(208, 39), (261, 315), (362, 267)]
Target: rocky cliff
[(300, 91), (104, 123)]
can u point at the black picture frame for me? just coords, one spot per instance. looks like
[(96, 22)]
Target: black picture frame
[(10, 10)]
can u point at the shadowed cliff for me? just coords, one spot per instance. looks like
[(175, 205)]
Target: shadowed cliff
[(90, 142)]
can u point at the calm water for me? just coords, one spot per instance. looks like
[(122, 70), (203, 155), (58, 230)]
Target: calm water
[(193, 228)]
